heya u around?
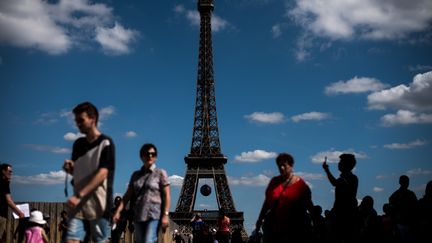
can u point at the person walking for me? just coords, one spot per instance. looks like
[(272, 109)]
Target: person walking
[(92, 166), (6, 200), (345, 226), (35, 232), (149, 193), (283, 215), (223, 234)]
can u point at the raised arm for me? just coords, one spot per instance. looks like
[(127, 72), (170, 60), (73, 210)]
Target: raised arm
[(330, 176)]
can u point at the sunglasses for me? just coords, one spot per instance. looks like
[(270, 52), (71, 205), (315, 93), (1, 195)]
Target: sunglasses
[(152, 154)]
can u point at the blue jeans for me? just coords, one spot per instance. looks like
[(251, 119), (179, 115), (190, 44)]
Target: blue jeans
[(78, 228), (147, 231)]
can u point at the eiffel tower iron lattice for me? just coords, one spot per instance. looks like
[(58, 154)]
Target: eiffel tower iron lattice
[(205, 159)]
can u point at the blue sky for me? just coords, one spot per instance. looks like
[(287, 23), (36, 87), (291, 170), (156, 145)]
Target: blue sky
[(303, 77)]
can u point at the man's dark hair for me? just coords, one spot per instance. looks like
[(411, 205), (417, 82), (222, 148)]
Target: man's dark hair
[(88, 108), (285, 158), (146, 147)]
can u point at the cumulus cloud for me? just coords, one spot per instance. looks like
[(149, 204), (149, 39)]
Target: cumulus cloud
[(417, 96), (115, 40), (262, 117), (420, 67), (314, 115), (310, 176), (107, 112), (51, 178), (259, 180), (49, 149), (333, 156), (57, 27), (404, 117), (131, 134), (378, 189), (70, 136), (255, 156), (354, 85), (367, 19), (413, 144), (193, 16), (176, 180), (418, 171), (276, 31)]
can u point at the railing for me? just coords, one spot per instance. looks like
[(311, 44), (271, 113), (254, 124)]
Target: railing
[(51, 211)]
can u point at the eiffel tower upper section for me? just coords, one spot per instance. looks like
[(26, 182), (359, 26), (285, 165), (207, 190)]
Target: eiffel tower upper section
[(205, 136)]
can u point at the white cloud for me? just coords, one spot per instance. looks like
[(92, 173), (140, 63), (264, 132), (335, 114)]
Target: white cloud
[(179, 8), (314, 115), (355, 85), (259, 180), (416, 143), (404, 117), (416, 96), (106, 112), (276, 31), (115, 40), (193, 16), (419, 67), (52, 178), (57, 27), (368, 19), (47, 118), (418, 171), (47, 148), (378, 189), (70, 136), (333, 156), (131, 134), (310, 176), (262, 117), (255, 156), (176, 180)]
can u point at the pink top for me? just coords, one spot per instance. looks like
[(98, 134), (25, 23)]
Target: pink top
[(223, 224), (34, 235)]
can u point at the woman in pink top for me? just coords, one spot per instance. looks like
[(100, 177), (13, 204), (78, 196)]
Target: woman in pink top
[(35, 232), (223, 223)]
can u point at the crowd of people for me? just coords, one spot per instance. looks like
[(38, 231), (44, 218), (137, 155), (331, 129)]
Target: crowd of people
[(288, 213)]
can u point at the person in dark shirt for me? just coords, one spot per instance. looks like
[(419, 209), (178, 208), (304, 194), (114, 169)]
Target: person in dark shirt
[(6, 200), (345, 213), (404, 202)]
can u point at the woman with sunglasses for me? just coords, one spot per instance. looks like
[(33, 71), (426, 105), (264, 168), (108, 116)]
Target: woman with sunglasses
[(149, 196)]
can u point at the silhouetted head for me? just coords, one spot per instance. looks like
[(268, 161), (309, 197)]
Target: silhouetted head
[(347, 162), (404, 181), (317, 210), (428, 190), (367, 202)]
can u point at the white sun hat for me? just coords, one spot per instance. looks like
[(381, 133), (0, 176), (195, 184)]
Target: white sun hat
[(37, 217)]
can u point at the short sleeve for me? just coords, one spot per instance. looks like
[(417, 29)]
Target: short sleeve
[(107, 158)]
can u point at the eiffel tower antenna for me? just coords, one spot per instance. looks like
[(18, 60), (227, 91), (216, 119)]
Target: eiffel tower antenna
[(205, 159)]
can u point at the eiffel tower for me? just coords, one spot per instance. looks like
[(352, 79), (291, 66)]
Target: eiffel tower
[(205, 159)]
